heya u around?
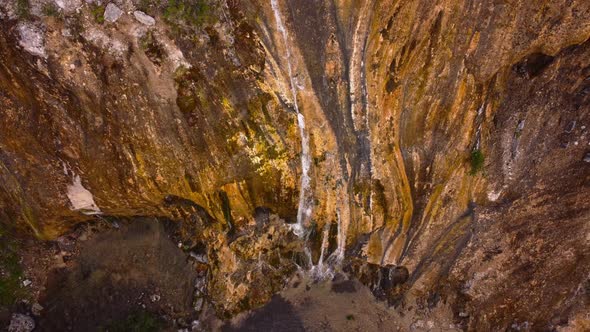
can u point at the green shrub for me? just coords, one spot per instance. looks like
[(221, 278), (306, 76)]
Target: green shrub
[(97, 12), (477, 161)]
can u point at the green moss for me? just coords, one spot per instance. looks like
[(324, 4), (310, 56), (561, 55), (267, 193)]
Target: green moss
[(97, 12), (349, 317), (191, 12), (136, 322), (477, 161)]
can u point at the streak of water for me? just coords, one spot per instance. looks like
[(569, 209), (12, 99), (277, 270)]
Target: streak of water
[(322, 271), (304, 208)]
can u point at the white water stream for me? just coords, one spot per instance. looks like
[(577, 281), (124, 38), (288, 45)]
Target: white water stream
[(321, 271), (304, 208)]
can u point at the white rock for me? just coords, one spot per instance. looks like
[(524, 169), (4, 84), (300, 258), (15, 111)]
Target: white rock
[(68, 6), (144, 18), (198, 304), (155, 298), (36, 309), (494, 195), (196, 326), (100, 39), (201, 258), (112, 13), (27, 282), (81, 198), (66, 32), (21, 323), (31, 39)]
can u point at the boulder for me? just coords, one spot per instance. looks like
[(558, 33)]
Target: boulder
[(31, 39), (21, 323), (112, 13), (144, 18)]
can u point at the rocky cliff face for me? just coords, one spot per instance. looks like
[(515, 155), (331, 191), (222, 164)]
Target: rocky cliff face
[(446, 137)]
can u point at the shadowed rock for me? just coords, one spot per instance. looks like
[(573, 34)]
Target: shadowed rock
[(277, 316)]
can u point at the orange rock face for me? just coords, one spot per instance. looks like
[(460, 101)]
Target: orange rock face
[(447, 137)]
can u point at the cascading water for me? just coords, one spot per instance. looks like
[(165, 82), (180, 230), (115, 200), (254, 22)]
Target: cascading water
[(321, 271), (341, 240), (304, 208)]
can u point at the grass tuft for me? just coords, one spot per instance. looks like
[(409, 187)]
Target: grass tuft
[(97, 12)]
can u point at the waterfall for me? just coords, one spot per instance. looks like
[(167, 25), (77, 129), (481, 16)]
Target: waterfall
[(341, 240), (321, 271), (357, 67), (304, 208)]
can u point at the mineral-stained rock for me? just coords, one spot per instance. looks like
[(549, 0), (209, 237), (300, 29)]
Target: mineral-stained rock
[(213, 121)]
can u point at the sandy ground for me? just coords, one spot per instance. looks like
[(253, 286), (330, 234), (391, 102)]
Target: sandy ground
[(333, 305)]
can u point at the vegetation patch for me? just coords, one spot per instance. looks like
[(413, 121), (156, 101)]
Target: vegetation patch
[(50, 9), (97, 12), (148, 6), (190, 12), (152, 48), (477, 161), (10, 272), (23, 8), (141, 321)]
